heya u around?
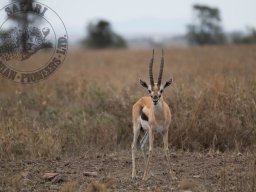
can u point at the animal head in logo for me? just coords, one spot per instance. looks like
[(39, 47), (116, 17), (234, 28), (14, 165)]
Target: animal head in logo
[(21, 43)]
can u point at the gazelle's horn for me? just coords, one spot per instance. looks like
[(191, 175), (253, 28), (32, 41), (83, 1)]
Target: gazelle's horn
[(161, 69), (150, 70)]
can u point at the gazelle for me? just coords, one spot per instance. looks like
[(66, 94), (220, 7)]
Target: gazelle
[(151, 114)]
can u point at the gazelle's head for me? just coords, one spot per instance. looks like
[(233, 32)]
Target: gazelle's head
[(155, 90)]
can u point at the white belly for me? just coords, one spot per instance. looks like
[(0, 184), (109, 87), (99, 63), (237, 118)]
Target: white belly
[(158, 128)]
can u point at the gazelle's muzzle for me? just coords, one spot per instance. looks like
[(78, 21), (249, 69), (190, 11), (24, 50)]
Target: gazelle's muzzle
[(155, 100)]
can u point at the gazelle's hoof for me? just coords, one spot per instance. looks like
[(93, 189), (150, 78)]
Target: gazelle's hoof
[(134, 176)]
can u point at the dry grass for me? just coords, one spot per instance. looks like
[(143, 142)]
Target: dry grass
[(190, 185), (96, 187), (70, 186), (87, 103)]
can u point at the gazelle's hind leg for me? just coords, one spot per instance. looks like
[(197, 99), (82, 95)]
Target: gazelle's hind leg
[(144, 142), (167, 153), (143, 146), (136, 131)]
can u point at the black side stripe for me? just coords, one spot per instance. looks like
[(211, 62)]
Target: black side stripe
[(143, 116)]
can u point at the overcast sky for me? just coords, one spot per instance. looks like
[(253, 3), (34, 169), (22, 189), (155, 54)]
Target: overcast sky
[(147, 17)]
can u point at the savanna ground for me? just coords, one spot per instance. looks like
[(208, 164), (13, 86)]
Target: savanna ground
[(73, 131)]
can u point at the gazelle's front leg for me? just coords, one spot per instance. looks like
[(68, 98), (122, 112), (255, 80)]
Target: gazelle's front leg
[(151, 140), (167, 153), (136, 131)]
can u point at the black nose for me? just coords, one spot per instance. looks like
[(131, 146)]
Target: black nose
[(155, 100)]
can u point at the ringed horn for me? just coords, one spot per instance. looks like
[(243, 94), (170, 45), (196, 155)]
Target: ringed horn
[(160, 71)]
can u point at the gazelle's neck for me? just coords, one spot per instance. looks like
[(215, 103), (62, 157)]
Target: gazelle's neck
[(158, 111)]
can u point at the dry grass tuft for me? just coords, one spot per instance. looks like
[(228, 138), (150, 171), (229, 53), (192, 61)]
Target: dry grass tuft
[(190, 185), (70, 186), (96, 187)]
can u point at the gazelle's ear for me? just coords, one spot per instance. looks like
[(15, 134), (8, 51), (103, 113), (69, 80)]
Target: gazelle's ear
[(168, 83), (143, 83)]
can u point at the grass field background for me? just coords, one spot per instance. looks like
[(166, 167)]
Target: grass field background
[(87, 103)]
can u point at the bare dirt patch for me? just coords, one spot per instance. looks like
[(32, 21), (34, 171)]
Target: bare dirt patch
[(112, 172)]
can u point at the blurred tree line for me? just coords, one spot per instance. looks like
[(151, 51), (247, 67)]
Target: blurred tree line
[(101, 35), (249, 38), (206, 29)]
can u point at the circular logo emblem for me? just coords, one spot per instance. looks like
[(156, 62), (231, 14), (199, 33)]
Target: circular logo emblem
[(33, 42)]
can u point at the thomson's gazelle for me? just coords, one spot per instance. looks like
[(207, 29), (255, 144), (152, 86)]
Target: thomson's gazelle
[(151, 114)]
